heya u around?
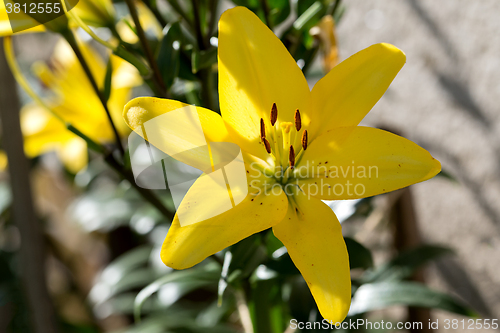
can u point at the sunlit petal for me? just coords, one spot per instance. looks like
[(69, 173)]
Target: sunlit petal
[(255, 71), (313, 237), (358, 162), (347, 93), (188, 245)]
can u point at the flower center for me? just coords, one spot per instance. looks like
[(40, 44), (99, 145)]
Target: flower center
[(280, 139)]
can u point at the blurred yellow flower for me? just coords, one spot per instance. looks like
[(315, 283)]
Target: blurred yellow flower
[(74, 100), (289, 155), (325, 33)]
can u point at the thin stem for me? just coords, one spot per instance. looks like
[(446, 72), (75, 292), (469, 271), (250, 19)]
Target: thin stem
[(85, 27), (154, 9), (74, 45), (202, 45), (175, 5), (267, 15), (214, 4), (205, 74), (335, 6), (146, 194), (145, 45), (243, 310)]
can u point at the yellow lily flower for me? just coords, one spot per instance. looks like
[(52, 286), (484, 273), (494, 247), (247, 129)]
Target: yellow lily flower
[(75, 101), (291, 139), (96, 13)]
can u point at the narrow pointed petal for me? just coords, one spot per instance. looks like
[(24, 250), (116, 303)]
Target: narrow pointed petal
[(359, 162), (348, 92), (188, 245), (255, 71), (313, 238)]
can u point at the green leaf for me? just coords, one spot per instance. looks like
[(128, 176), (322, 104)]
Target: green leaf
[(203, 275), (266, 306), (247, 254), (405, 264), (445, 174), (310, 12), (169, 54), (106, 91), (203, 59), (224, 275), (376, 296), (359, 256)]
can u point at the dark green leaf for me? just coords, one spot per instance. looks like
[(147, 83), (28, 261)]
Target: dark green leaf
[(359, 256), (169, 54), (203, 59), (266, 306), (206, 274), (106, 91), (405, 264), (447, 175), (376, 296)]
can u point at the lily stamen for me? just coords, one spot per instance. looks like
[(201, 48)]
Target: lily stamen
[(267, 145), (262, 129), (291, 158), (304, 140), (298, 120), (274, 114)]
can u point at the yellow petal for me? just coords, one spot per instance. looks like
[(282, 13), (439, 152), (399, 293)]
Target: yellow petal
[(74, 154), (96, 13), (179, 130), (313, 238), (186, 246), (148, 22), (358, 162), (42, 132), (75, 100), (3, 161), (348, 92), (255, 71)]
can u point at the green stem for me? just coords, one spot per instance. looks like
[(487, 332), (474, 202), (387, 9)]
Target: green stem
[(74, 45), (154, 9), (267, 15), (145, 45), (175, 5), (214, 4), (243, 310), (146, 194), (202, 45)]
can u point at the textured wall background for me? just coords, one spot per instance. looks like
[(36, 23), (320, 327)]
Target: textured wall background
[(446, 98)]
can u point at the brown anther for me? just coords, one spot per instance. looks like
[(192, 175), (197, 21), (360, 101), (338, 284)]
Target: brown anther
[(291, 157), (267, 145), (262, 129), (304, 139), (298, 121), (274, 114)]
